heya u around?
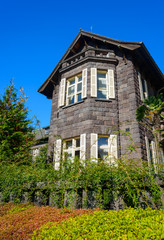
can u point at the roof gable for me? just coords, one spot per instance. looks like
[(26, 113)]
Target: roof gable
[(86, 39)]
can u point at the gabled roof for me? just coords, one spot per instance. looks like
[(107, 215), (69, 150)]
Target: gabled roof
[(137, 47)]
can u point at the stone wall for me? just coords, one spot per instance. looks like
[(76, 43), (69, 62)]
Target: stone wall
[(101, 117), (89, 116)]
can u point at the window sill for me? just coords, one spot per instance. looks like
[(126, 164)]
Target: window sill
[(73, 104), (102, 100)]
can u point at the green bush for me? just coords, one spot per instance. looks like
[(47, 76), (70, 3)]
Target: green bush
[(124, 224)]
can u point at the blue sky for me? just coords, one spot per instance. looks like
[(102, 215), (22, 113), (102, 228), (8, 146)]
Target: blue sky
[(34, 35)]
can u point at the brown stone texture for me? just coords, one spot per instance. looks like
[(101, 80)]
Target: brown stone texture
[(102, 117)]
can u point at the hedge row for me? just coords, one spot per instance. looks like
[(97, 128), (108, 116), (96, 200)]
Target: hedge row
[(125, 224)]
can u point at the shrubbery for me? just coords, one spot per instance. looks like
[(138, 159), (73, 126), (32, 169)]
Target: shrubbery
[(18, 221), (135, 185), (123, 224), (25, 221)]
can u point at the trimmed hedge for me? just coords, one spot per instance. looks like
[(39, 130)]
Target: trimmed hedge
[(124, 224)]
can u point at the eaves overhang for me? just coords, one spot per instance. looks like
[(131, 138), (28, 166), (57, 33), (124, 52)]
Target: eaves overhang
[(47, 87)]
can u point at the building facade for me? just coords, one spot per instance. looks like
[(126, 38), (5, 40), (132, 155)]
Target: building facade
[(95, 89)]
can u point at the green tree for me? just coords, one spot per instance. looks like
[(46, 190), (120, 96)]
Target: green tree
[(153, 110), (16, 136)]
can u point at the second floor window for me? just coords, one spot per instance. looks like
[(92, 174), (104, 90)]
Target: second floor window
[(102, 84), (143, 87), (74, 90)]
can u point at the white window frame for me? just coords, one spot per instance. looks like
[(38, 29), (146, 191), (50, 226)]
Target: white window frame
[(105, 79), (143, 83), (64, 87), (104, 147), (71, 150), (75, 85), (151, 150), (112, 147), (110, 82)]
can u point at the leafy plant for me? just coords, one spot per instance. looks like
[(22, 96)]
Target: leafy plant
[(126, 224), (22, 219)]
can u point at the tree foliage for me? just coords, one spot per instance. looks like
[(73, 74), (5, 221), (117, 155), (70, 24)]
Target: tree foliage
[(153, 109), (16, 135)]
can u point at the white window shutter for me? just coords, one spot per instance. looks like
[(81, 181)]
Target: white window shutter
[(94, 146), (84, 83), (93, 82), (111, 84), (57, 153), (62, 92), (73, 148), (140, 86), (83, 146), (148, 151), (146, 89), (59, 96), (113, 148), (154, 153)]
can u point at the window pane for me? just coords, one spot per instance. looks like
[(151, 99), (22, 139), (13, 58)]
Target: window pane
[(79, 97), (68, 144), (77, 153), (102, 94), (69, 155), (103, 147), (71, 90), (72, 81), (79, 87), (71, 100), (103, 142), (102, 153), (101, 83), (80, 79), (101, 75), (78, 142)]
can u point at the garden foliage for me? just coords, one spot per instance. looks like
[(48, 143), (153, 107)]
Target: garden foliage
[(124, 224), (18, 221)]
